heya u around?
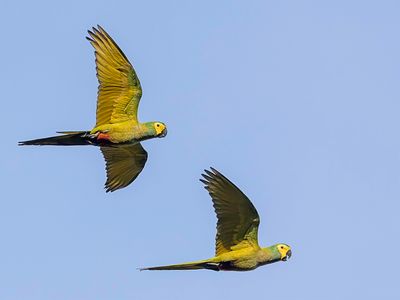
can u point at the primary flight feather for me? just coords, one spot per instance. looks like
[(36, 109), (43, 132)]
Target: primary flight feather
[(237, 246), (117, 130), (119, 89)]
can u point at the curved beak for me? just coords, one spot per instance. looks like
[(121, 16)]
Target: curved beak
[(288, 255), (163, 133)]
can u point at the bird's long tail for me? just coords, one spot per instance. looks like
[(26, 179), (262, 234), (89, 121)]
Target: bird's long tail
[(197, 265), (68, 138)]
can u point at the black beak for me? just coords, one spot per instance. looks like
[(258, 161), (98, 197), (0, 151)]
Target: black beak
[(288, 254), (163, 133)]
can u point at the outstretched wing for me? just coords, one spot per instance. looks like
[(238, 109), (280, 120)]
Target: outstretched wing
[(119, 90), (238, 220), (123, 164)]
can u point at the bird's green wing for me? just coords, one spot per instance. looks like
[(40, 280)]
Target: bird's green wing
[(238, 220), (123, 164), (119, 90)]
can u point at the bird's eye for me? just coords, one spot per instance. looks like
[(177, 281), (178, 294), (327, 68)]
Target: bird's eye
[(158, 125), (281, 247)]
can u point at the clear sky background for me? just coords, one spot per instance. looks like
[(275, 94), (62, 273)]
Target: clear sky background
[(297, 102)]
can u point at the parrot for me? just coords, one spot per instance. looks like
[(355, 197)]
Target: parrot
[(117, 131), (237, 247)]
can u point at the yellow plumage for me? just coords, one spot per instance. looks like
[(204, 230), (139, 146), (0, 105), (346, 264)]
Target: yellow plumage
[(119, 89), (117, 130), (237, 246)]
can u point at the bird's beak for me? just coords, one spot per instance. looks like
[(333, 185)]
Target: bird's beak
[(288, 255), (163, 133)]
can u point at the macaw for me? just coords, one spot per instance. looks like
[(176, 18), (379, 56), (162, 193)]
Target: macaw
[(118, 131), (237, 247)]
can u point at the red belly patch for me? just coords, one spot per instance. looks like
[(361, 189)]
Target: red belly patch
[(103, 136)]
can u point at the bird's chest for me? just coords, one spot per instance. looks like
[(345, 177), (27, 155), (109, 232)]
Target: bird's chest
[(124, 132), (240, 261)]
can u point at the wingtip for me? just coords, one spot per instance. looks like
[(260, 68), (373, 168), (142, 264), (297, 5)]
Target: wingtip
[(107, 188), (100, 28), (203, 181), (91, 35), (206, 177), (111, 188), (209, 173), (214, 170), (96, 31)]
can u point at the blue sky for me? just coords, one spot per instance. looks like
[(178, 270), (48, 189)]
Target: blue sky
[(297, 102)]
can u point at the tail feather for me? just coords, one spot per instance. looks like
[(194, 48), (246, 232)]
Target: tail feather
[(70, 138), (204, 264)]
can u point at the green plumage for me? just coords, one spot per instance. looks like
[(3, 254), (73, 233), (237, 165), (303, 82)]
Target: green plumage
[(237, 246), (117, 130)]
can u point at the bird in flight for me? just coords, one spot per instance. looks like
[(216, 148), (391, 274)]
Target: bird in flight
[(118, 131), (237, 246)]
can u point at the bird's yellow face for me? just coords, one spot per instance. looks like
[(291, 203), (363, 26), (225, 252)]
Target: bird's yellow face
[(160, 128), (285, 251)]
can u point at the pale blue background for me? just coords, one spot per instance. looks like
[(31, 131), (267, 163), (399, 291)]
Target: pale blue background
[(297, 102)]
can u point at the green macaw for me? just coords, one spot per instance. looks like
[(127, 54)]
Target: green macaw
[(237, 246), (117, 130)]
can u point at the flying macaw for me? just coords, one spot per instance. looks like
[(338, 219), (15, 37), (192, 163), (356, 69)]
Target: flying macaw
[(118, 131), (237, 246)]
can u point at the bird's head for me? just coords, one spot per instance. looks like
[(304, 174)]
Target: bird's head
[(160, 129), (284, 251)]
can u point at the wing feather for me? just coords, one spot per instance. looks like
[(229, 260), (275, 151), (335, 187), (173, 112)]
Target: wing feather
[(123, 164), (238, 220), (119, 89)]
